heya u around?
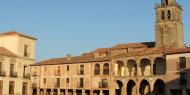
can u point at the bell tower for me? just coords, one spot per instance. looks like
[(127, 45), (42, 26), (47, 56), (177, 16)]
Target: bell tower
[(169, 26)]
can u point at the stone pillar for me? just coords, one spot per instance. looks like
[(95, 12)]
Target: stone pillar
[(123, 90), (83, 92), (74, 92), (112, 92), (152, 67), (45, 91), (58, 92), (66, 92), (91, 92), (52, 91), (38, 91), (101, 92)]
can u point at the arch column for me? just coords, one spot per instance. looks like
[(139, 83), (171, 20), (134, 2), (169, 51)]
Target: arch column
[(45, 91)]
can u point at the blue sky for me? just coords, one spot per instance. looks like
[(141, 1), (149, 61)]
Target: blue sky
[(76, 26)]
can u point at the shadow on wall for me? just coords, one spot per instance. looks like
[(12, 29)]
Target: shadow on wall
[(178, 86)]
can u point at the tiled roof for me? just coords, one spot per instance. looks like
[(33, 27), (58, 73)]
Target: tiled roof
[(70, 60), (129, 45), (178, 50), (16, 33), (148, 51), (6, 52)]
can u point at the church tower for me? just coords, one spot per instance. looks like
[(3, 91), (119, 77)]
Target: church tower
[(169, 26)]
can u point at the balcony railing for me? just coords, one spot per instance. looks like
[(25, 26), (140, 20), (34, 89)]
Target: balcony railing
[(2, 73), (14, 74), (103, 84), (80, 85), (34, 74), (34, 85), (57, 85), (27, 75)]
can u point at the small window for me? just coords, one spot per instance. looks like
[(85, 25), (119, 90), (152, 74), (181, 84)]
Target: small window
[(26, 53), (24, 88), (58, 82), (97, 69), (67, 81), (106, 69), (163, 15), (81, 82), (44, 80), (81, 69), (169, 14), (182, 62), (11, 87), (67, 67)]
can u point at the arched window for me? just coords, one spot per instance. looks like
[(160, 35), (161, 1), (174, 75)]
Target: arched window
[(163, 15), (169, 14), (106, 69), (97, 69)]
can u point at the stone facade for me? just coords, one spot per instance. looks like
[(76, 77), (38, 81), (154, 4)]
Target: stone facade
[(16, 54), (150, 68)]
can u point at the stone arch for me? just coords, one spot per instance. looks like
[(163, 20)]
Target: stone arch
[(131, 68), (97, 69), (144, 88), (119, 68), (159, 67), (159, 87), (145, 65), (131, 87), (119, 87), (106, 69)]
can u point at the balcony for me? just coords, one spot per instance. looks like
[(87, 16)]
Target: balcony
[(27, 75), (103, 84), (2, 73), (13, 74), (80, 85), (34, 74), (34, 85), (57, 85)]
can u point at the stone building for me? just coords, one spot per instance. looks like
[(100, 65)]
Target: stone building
[(17, 52), (147, 68)]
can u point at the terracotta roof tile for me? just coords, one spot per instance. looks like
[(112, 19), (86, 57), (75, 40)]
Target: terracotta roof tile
[(76, 59), (4, 51), (129, 45)]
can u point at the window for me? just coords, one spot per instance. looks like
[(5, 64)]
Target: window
[(58, 71), (25, 74), (11, 69), (169, 14), (183, 78), (26, 54), (104, 83), (81, 72), (1, 87), (11, 87), (67, 67), (182, 62), (44, 80), (24, 88), (67, 80), (97, 69), (163, 15), (81, 83), (58, 82), (106, 69), (2, 73)]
